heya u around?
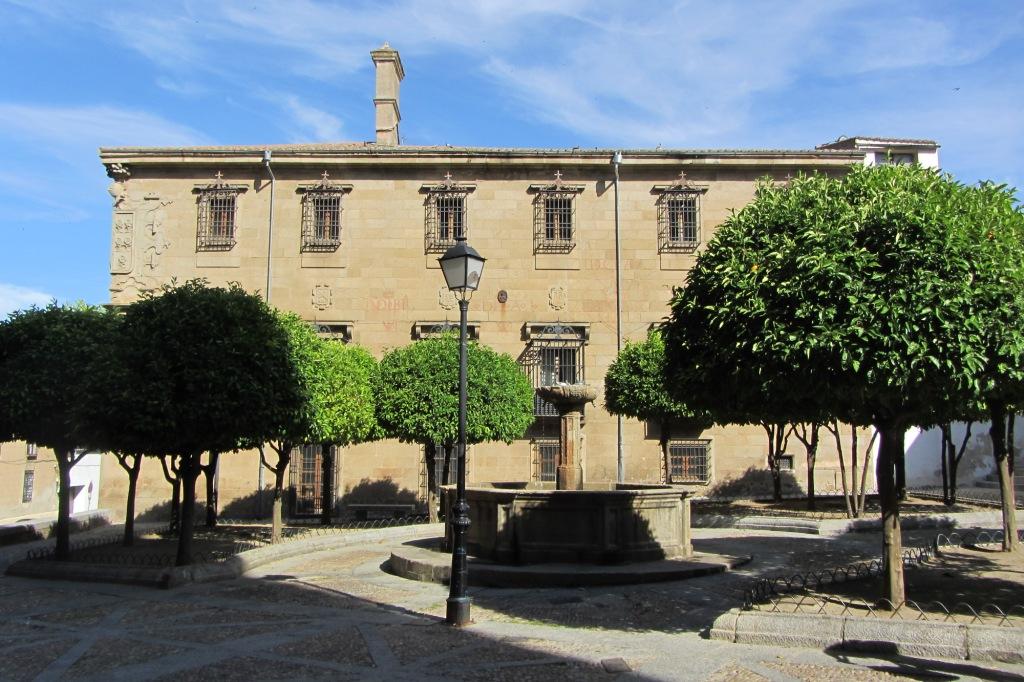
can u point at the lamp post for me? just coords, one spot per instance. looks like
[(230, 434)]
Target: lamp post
[(462, 267)]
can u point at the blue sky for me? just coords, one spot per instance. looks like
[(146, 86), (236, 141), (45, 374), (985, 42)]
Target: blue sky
[(81, 74)]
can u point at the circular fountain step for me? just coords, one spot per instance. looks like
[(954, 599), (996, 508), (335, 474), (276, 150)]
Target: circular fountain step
[(423, 561)]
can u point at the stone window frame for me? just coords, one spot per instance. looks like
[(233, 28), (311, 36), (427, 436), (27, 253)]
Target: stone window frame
[(217, 214), (28, 486), (557, 340), (334, 330), (320, 201), (554, 204), (697, 472), (446, 213), (436, 329), (675, 204)]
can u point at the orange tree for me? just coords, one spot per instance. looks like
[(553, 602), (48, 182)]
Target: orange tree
[(217, 377), (45, 356), (418, 399), (634, 386), (863, 297)]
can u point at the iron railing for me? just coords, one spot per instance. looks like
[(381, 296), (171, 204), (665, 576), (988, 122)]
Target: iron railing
[(689, 461)]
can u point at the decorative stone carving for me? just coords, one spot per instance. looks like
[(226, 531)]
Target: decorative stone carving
[(129, 288), (323, 297), (557, 297), (122, 245), (446, 298), (155, 241), (118, 190)]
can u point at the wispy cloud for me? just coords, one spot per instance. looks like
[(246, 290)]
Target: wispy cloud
[(311, 123), (13, 297), (93, 125)]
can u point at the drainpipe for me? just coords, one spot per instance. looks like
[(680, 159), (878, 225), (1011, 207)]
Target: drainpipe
[(620, 457), (270, 228), (270, 259)]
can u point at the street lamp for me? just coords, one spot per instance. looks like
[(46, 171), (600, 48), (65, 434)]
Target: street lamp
[(462, 267)]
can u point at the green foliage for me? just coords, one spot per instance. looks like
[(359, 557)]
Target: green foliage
[(337, 382), (634, 385), (45, 354), (857, 297), (214, 368), (418, 393)]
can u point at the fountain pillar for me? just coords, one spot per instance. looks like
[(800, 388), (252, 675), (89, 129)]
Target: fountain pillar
[(569, 400)]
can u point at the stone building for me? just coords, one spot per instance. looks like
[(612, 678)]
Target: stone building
[(348, 235)]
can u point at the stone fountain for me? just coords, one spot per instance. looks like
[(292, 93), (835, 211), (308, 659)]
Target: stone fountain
[(569, 400), (595, 524)]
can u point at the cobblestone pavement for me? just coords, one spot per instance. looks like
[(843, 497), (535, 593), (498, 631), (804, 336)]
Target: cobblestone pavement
[(336, 615)]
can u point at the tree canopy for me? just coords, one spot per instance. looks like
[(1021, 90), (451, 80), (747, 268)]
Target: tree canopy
[(45, 360), (418, 393), (856, 296), (219, 377), (634, 385)]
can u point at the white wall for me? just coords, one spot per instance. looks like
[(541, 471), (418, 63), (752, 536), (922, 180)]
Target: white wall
[(85, 484), (924, 468)]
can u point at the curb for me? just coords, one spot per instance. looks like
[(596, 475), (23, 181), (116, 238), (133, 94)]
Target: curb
[(872, 635), (833, 527), (230, 569)]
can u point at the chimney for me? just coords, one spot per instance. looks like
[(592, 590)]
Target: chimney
[(385, 100)]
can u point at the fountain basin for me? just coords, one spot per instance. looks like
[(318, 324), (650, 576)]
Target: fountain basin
[(630, 523)]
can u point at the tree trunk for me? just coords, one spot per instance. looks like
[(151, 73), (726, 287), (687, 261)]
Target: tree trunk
[(888, 496), (997, 413), (833, 427), (176, 503), (776, 444), (327, 479), (864, 473), (129, 512), (810, 441), (64, 457), (901, 470), (188, 472), (666, 464), (946, 456), (210, 474), (429, 458), (853, 472), (276, 523)]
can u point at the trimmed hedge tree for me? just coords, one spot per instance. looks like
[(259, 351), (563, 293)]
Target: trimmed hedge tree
[(856, 297), (634, 386), (219, 377), (418, 398)]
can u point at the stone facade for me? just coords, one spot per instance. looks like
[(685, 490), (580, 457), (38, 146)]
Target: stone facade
[(376, 282), (29, 483)]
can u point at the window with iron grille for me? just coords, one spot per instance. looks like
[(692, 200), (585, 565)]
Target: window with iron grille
[(446, 214), (547, 459), (31, 451), (28, 487), (217, 204), (679, 221), (554, 356), (321, 215), (554, 216), (689, 461)]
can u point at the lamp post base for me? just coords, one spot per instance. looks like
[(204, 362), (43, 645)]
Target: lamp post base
[(458, 612)]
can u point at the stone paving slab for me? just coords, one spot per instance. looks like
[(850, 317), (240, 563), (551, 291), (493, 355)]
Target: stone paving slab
[(334, 614)]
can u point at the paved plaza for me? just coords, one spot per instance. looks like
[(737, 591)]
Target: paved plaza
[(335, 615)]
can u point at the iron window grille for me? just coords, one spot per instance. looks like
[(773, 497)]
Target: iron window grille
[(321, 215), (785, 462), (679, 216), (555, 355), (554, 216), (28, 487), (334, 331), (433, 330), (217, 205), (31, 451), (689, 461), (547, 459), (446, 214), (305, 478)]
